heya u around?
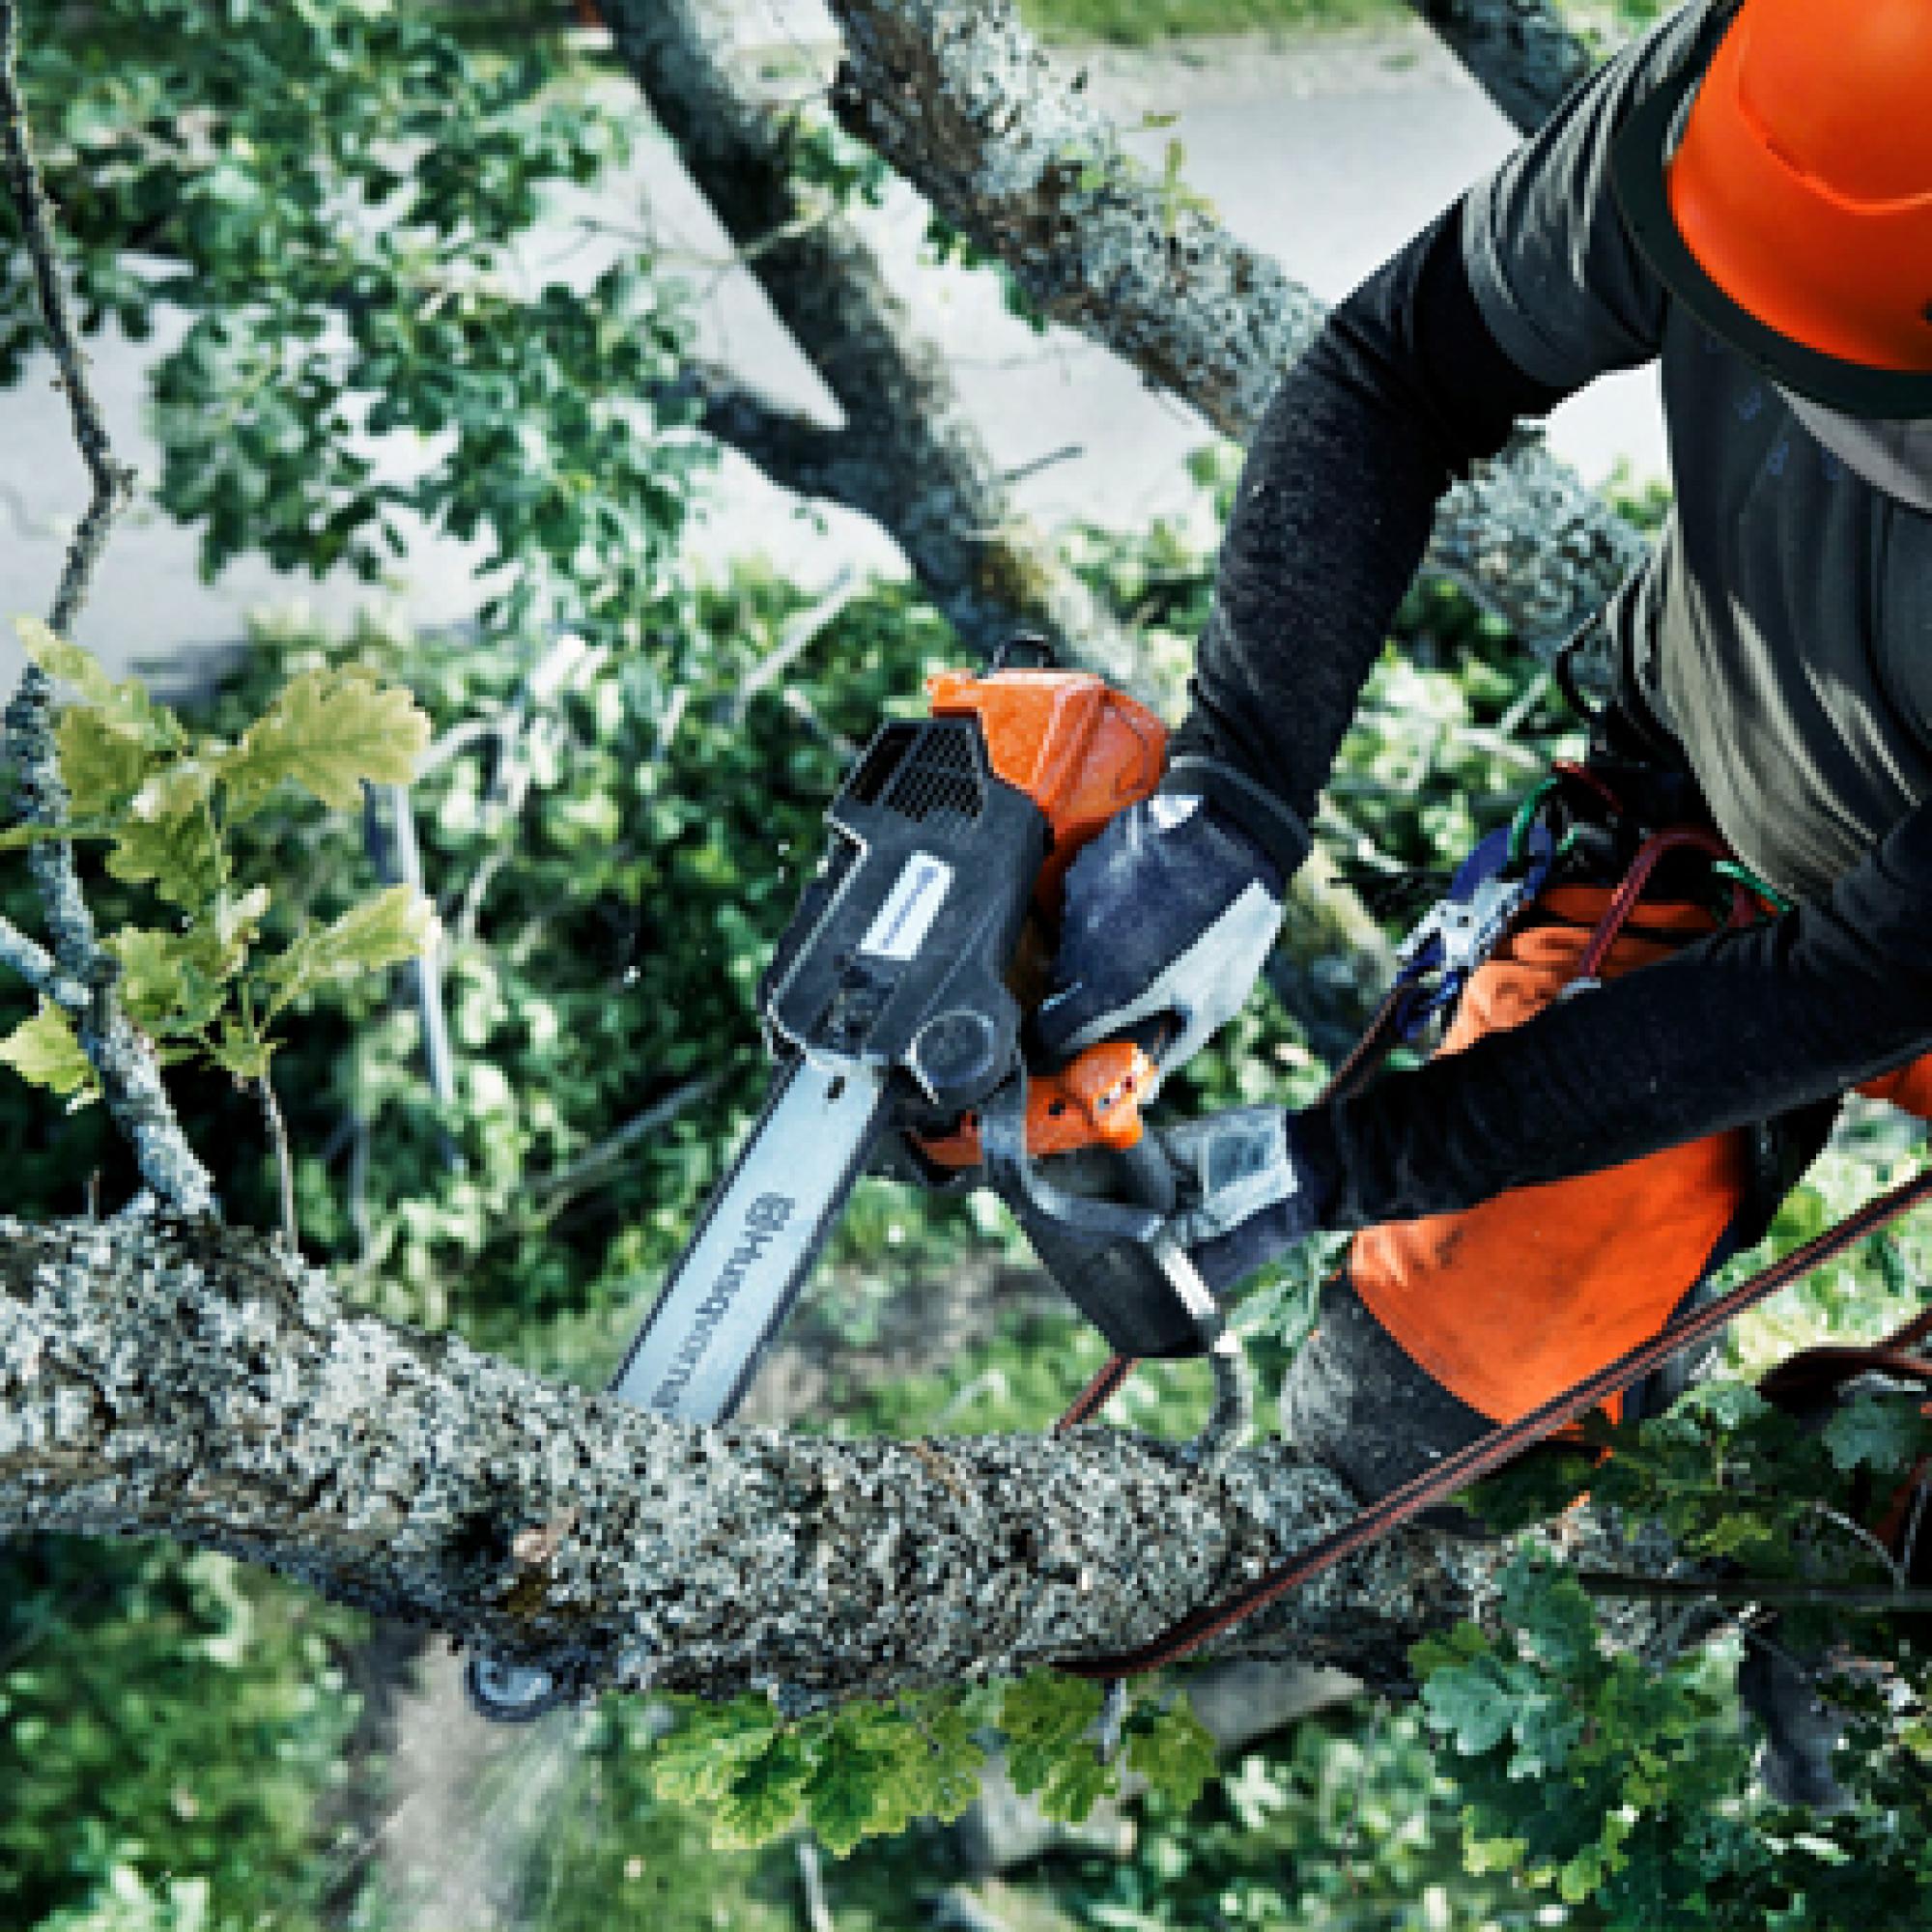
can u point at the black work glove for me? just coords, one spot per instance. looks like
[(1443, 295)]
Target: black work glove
[(1169, 914), (1246, 1194)]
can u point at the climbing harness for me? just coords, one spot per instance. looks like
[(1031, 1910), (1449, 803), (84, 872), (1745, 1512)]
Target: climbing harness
[(1494, 888)]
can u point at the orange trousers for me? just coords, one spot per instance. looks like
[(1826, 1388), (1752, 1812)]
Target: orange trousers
[(1510, 1303)]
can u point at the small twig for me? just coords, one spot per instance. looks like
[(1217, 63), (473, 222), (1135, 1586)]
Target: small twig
[(796, 638), (278, 1141), (811, 1882), (1860, 1534), (1066, 453), (1920, 1490), (358, 1191), (28, 528), (398, 860), (35, 965), (113, 480), (93, 1195), (551, 1191), (800, 225), (1780, 1591)]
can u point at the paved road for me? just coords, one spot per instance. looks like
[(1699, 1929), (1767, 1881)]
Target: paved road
[(1325, 154)]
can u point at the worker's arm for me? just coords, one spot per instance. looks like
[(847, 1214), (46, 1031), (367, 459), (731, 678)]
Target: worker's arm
[(1735, 1029), (1404, 391), (1516, 296)]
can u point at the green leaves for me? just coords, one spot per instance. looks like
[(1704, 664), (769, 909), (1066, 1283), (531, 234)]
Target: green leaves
[(868, 1770), (865, 1770), (1049, 1720), (66, 663), (103, 763), (328, 731), (168, 836), (45, 1053), (394, 926), (1174, 1751), (124, 705), (1465, 1692), (174, 981), (1886, 1438), (1562, 1749), (698, 1762), (164, 800)]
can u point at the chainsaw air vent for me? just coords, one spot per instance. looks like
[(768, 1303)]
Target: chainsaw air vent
[(923, 772)]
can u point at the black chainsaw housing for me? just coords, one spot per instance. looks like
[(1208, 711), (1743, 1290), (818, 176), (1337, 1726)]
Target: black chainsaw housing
[(897, 956), (897, 953)]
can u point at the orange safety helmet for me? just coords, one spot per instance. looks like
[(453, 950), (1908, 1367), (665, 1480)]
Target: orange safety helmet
[(1794, 218)]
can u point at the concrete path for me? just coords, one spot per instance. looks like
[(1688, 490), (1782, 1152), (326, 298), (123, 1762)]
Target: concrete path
[(1327, 153)]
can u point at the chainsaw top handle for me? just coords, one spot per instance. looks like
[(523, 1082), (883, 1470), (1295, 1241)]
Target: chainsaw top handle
[(1081, 751)]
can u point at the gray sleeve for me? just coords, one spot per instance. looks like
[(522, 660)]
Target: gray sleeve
[(1557, 277)]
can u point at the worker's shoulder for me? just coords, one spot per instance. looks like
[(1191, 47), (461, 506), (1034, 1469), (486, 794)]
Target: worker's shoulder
[(1560, 282)]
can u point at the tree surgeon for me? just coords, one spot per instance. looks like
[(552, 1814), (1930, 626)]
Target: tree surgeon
[(1744, 195)]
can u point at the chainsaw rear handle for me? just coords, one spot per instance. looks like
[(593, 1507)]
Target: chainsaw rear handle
[(1105, 1251), (1081, 753)]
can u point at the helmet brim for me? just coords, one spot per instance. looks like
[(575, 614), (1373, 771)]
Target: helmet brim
[(1638, 163)]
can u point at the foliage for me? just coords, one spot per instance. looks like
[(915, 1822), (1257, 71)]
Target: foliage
[(330, 196), (1610, 1780), (167, 802), (165, 1729)]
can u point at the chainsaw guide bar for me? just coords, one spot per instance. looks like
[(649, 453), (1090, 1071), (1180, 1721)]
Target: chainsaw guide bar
[(898, 1043)]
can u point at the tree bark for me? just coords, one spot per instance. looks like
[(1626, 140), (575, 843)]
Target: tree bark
[(1521, 52), (173, 1377), (958, 98), (908, 456)]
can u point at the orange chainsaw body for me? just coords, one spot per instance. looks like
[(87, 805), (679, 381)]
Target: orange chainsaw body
[(1082, 752)]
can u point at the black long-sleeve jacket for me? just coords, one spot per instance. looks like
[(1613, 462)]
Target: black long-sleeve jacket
[(1778, 632)]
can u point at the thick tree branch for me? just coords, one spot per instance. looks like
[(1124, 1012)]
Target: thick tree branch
[(793, 450), (1521, 52), (910, 457), (172, 1377), (130, 1077), (958, 98)]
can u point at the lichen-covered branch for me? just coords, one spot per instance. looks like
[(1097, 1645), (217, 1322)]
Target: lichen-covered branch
[(35, 965), (173, 1377), (130, 1077), (959, 99), (1521, 52), (908, 456)]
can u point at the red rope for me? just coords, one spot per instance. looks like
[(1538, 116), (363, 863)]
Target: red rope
[(1616, 915)]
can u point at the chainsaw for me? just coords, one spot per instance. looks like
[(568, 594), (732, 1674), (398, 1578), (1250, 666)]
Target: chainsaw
[(894, 1009)]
